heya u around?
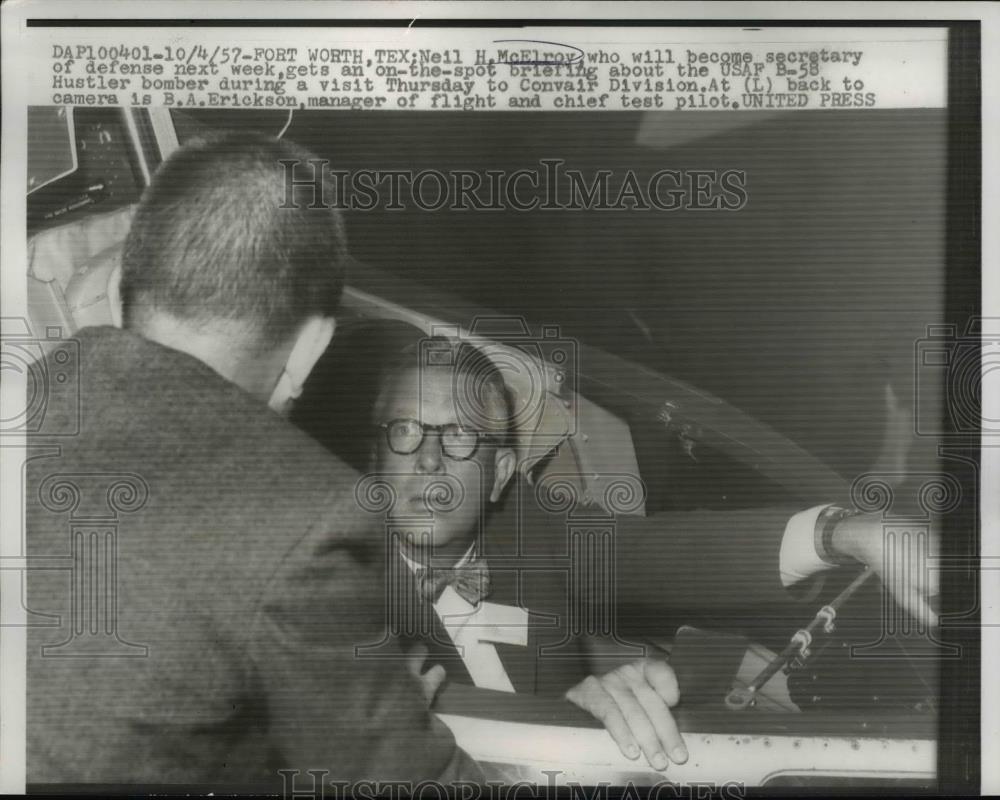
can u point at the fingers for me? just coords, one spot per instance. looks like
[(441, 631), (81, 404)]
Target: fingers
[(633, 702), (920, 581), (590, 695), (930, 554), (667, 738), (908, 568), (917, 607), (638, 705), (927, 615), (661, 677), (927, 579), (415, 659), (431, 681), (662, 685)]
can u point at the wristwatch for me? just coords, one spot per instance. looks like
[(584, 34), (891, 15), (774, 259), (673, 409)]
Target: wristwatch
[(826, 522)]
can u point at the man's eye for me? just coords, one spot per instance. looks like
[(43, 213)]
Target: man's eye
[(405, 430)]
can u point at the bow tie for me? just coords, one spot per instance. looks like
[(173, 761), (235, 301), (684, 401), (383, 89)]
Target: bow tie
[(471, 581)]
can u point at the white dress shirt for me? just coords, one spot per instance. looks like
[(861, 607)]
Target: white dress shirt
[(798, 558), (474, 628)]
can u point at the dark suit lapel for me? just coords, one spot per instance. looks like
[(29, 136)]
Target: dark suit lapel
[(553, 661), (417, 621), (520, 662)]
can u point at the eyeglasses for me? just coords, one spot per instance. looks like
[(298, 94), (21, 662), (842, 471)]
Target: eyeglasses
[(404, 436)]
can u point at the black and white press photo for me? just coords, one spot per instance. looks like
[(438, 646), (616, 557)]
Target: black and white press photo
[(496, 398)]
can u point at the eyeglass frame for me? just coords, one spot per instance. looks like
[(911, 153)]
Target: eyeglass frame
[(439, 430)]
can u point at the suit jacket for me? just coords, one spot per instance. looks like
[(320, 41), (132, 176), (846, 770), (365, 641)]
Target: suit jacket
[(549, 661), (224, 575), (631, 580)]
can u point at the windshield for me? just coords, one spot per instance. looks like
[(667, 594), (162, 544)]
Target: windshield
[(799, 307)]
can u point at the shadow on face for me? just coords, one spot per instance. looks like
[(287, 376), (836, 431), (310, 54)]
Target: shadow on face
[(425, 431)]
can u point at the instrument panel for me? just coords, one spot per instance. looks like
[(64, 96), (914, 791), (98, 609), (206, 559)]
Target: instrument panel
[(106, 176)]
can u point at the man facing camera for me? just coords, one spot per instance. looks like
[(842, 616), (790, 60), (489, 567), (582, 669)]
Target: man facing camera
[(430, 420), (437, 433), (454, 420), (243, 575)]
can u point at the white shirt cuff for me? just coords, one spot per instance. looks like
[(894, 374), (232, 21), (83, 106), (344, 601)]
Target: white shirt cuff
[(799, 559)]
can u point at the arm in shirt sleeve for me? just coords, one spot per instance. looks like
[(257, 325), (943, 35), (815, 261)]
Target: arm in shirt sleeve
[(718, 561), (799, 558)]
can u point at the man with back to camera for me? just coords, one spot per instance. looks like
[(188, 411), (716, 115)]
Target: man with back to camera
[(248, 575)]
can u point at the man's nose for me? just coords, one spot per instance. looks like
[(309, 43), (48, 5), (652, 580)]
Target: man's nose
[(429, 456)]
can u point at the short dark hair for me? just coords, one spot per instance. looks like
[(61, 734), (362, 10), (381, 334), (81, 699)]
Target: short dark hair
[(216, 239)]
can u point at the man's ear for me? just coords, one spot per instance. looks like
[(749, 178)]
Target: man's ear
[(504, 463), (115, 295), (313, 339), (310, 343)]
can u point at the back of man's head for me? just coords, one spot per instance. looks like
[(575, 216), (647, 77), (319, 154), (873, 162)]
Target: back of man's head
[(217, 245)]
